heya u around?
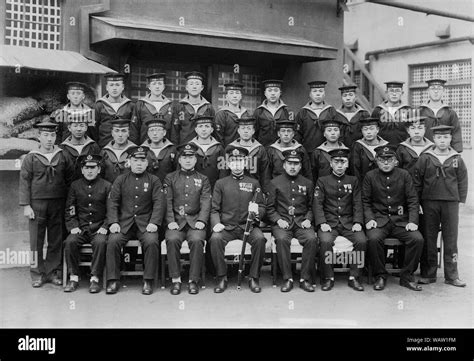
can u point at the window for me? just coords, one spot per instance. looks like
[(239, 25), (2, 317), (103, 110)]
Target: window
[(251, 97), (34, 23), (174, 86), (458, 93)]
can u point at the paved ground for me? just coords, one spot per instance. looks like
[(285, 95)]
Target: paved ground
[(437, 306)]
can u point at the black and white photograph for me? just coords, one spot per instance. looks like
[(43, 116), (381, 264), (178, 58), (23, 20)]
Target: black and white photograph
[(220, 165)]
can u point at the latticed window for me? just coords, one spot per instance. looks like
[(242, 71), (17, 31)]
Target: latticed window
[(33, 23), (175, 86), (458, 92), (251, 93)]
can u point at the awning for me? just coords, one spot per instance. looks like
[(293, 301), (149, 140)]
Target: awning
[(50, 60), (108, 28)]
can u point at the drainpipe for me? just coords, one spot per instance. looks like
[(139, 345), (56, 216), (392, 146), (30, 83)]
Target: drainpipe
[(84, 45), (376, 53), (422, 9)]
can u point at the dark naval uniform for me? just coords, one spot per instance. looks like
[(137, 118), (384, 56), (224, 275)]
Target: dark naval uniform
[(408, 154), (161, 161), (135, 201), (210, 160), (227, 123), (104, 113), (363, 158), (73, 151), (230, 200), (86, 209), (64, 115), (351, 131), (309, 125), (337, 202), (276, 159), (146, 109), (112, 166), (188, 201), (258, 164), (290, 199), (265, 126), (390, 199), (442, 116), (43, 186), (321, 160), (441, 185), (182, 129), (392, 127)]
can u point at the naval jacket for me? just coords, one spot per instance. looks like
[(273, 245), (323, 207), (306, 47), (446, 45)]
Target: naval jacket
[(72, 153), (104, 113), (363, 158), (390, 197), (408, 154), (182, 128), (112, 166), (230, 201), (309, 125), (337, 200), (136, 199), (438, 181), (227, 123), (392, 127), (86, 205), (42, 179), (62, 118), (146, 110), (321, 160), (290, 199), (188, 195), (276, 159), (210, 162), (351, 131), (163, 163), (265, 122), (444, 116)]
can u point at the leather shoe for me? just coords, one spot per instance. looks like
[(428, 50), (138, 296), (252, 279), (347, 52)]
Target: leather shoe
[(38, 283), (426, 280), (355, 284), (411, 285), (71, 286), (94, 287), (287, 286), (147, 287), (221, 287), (379, 284), (112, 287), (457, 282), (306, 286), (175, 288), (327, 285), (254, 285), (193, 288)]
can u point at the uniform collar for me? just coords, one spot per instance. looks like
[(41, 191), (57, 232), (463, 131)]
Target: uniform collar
[(227, 109), (92, 182), (166, 143), (334, 175), (240, 177), (277, 145), (255, 144), (68, 143), (187, 172), (147, 99), (325, 106), (408, 144), (264, 105), (106, 99), (186, 100), (109, 146), (325, 148)]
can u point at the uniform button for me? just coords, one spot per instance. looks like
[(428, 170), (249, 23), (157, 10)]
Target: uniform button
[(134, 215), (185, 195), (90, 222), (136, 206), (388, 177), (292, 181), (136, 196), (388, 187), (187, 177), (292, 199), (185, 205), (90, 214), (90, 187), (89, 195), (338, 181), (339, 199), (339, 207), (388, 196), (339, 216), (187, 186), (90, 204), (389, 207), (136, 178), (136, 187)]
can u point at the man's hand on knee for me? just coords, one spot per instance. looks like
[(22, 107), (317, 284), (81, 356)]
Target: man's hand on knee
[(76, 230), (151, 228), (115, 228), (219, 227)]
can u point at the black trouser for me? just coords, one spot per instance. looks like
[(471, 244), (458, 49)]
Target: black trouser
[(195, 239), (71, 251), (413, 241), (434, 213), (326, 239), (49, 215), (219, 240), (150, 247), (307, 238)]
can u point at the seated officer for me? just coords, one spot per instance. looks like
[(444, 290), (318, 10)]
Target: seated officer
[(233, 198), (289, 210), (86, 221), (135, 208), (187, 214), (337, 209), (391, 210)]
